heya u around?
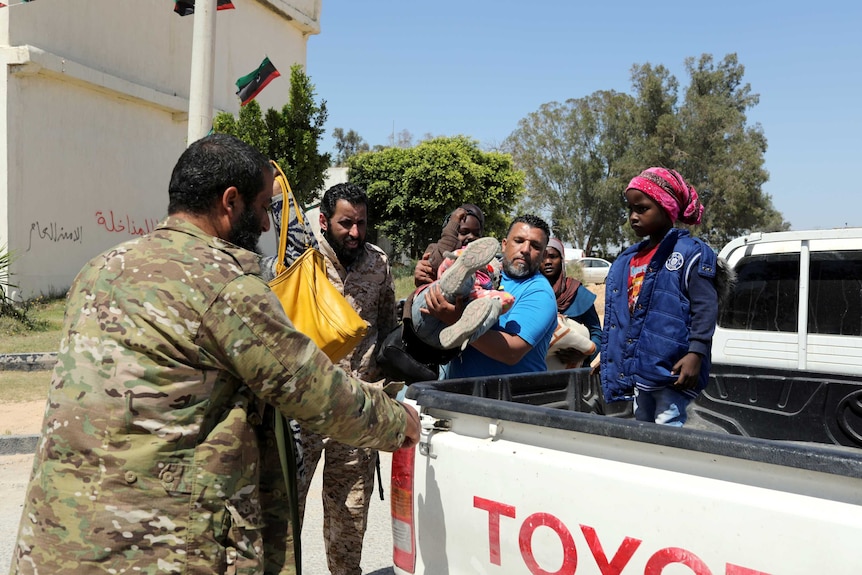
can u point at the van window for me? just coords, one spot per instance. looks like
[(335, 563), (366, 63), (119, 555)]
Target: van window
[(835, 296), (766, 296)]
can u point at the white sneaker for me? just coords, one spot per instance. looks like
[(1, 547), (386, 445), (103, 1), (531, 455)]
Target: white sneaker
[(475, 256), (474, 315)]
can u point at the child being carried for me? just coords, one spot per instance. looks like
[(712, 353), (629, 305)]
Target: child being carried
[(471, 272)]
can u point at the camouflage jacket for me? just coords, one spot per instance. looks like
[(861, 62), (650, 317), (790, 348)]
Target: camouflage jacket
[(370, 289), (153, 456)]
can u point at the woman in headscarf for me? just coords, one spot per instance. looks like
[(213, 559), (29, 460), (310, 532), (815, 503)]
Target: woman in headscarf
[(574, 301)]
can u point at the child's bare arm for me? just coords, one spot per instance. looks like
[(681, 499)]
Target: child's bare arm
[(424, 272)]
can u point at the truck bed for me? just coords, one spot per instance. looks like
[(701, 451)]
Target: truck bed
[(560, 400), (767, 403)]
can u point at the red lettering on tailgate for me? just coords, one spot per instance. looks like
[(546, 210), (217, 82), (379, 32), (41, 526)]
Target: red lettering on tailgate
[(494, 509), (737, 570), (525, 540), (669, 555), (621, 557), (655, 564)]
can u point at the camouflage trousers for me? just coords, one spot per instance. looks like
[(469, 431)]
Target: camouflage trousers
[(348, 481)]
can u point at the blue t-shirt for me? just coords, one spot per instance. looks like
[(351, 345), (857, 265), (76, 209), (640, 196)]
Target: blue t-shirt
[(533, 318)]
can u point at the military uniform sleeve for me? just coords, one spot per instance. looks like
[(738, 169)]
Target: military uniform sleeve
[(247, 331)]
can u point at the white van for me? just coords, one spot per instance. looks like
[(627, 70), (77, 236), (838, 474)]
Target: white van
[(797, 302)]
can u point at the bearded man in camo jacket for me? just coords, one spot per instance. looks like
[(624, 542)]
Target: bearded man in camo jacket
[(153, 456)]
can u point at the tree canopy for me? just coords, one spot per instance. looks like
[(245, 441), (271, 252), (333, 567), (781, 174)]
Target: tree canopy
[(579, 155), (412, 191), (291, 136), (347, 145)]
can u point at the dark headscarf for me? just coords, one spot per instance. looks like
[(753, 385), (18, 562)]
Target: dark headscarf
[(565, 288), (477, 213)]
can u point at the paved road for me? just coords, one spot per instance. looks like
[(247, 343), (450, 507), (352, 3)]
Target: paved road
[(376, 555)]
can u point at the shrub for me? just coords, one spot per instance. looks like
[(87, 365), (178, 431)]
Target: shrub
[(15, 316)]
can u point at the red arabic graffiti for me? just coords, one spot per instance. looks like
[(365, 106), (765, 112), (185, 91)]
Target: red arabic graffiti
[(118, 224)]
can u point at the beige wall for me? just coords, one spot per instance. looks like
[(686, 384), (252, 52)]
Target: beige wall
[(93, 109)]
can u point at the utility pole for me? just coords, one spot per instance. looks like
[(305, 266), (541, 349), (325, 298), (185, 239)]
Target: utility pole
[(203, 64)]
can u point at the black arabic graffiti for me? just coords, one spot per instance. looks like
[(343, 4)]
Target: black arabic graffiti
[(54, 232)]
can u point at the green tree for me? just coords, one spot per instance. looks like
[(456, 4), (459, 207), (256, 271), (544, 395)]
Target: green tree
[(347, 145), (658, 125), (411, 191), (721, 155), (290, 136), (404, 139), (576, 155)]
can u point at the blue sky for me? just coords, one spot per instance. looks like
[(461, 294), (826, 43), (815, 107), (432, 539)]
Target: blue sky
[(478, 67)]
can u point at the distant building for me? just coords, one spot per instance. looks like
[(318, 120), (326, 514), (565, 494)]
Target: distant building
[(94, 102)]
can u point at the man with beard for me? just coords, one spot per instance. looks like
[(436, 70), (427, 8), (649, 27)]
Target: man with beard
[(519, 342), (361, 272), (154, 451)]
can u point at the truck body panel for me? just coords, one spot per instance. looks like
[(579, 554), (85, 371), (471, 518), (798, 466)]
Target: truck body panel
[(518, 487), (797, 302)]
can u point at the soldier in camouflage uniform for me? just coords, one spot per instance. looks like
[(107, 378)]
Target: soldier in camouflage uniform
[(152, 457), (359, 270)]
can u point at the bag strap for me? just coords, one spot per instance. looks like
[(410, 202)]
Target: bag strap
[(288, 469), (287, 197)]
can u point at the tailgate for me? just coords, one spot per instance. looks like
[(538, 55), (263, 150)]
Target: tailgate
[(513, 488)]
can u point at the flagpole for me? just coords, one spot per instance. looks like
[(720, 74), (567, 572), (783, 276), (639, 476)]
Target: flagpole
[(203, 64)]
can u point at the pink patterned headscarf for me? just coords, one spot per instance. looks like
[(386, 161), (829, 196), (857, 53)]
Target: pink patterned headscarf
[(670, 191)]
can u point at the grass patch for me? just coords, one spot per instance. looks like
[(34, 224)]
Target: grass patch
[(44, 336), (24, 386), (403, 276), (403, 287)]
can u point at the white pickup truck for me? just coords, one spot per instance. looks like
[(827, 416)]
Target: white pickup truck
[(797, 303), (516, 475)]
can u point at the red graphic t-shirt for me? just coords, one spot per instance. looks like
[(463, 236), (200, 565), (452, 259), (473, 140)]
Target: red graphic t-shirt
[(637, 271)]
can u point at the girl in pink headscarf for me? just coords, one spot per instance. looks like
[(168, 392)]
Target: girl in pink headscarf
[(661, 303)]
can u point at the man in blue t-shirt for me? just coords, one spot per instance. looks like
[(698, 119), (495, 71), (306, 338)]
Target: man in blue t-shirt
[(520, 340)]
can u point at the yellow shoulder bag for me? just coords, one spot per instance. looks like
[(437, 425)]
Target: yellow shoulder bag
[(314, 306)]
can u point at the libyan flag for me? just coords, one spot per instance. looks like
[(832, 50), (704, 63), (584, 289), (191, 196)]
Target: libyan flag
[(251, 84), (186, 7)]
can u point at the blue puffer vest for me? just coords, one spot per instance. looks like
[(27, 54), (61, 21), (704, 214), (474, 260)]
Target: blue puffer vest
[(640, 349)]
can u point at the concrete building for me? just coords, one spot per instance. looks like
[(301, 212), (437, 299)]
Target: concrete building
[(93, 115)]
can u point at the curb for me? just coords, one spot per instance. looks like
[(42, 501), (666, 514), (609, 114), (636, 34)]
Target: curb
[(27, 361), (18, 444)]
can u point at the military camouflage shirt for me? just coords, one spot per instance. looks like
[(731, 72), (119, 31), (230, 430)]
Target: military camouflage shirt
[(370, 289), (150, 459)]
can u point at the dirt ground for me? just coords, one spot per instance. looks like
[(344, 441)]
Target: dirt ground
[(25, 417), (21, 417), (599, 290)]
